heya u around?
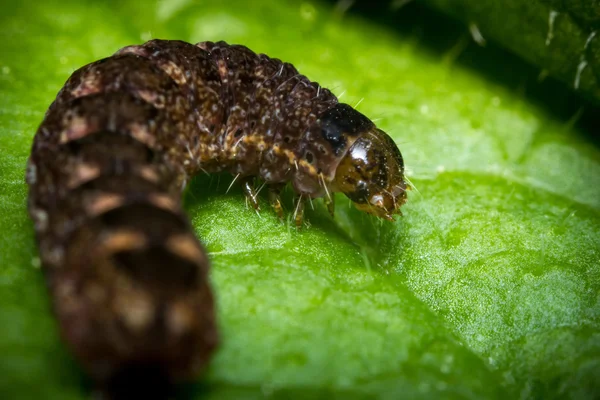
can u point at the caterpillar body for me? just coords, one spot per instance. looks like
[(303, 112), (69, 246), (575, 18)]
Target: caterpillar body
[(127, 277)]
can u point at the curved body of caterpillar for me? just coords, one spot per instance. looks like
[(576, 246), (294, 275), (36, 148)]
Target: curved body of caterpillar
[(127, 276)]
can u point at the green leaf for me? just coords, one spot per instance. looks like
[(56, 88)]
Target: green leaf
[(487, 288), (559, 36)]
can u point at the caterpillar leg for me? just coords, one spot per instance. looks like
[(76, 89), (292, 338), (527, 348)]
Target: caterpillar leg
[(275, 199), (329, 199), (250, 193), (330, 203), (299, 212)]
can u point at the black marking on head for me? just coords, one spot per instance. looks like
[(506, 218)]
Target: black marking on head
[(361, 193), (342, 121)]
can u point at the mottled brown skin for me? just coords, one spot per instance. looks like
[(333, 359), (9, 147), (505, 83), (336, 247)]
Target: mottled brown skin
[(127, 276)]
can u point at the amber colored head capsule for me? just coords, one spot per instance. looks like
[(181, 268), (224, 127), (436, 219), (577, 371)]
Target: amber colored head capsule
[(371, 174)]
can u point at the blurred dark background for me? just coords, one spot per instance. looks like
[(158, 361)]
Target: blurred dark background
[(451, 38)]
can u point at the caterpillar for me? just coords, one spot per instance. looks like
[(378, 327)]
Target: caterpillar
[(127, 277)]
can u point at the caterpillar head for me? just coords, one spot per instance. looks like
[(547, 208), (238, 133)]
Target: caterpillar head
[(371, 174)]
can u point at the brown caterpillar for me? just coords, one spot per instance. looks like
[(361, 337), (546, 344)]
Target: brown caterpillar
[(127, 277)]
